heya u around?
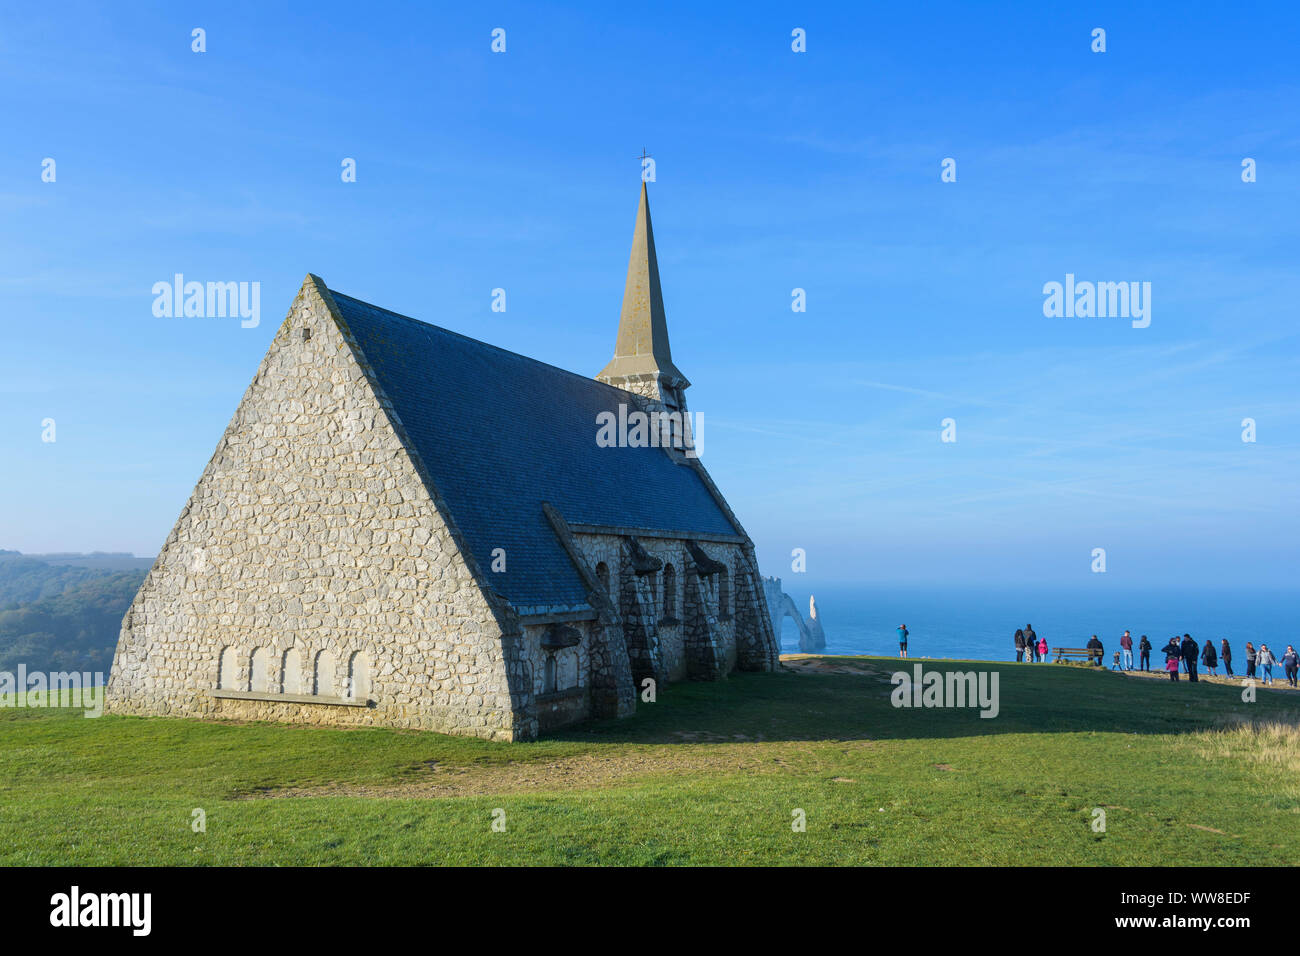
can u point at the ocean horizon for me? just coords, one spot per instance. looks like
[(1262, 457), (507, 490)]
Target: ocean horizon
[(979, 623)]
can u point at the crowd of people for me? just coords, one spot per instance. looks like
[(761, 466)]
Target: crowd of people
[(1182, 656)]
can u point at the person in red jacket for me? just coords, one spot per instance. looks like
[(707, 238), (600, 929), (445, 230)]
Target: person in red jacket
[(1173, 654), (1126, 651)]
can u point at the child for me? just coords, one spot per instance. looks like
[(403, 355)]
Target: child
[(1171, 667), (1114, 664)]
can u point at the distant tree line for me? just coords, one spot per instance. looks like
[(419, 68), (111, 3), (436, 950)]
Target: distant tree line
[(59, 617), (24, 579)]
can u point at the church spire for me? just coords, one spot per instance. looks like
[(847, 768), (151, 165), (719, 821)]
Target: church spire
[(642, 361)]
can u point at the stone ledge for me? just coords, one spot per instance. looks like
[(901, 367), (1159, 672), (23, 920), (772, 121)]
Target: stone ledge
[(289, 698), (559, 617), (566, 694)]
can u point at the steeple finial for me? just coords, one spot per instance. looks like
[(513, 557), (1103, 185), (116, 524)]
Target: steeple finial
[(642, 359)]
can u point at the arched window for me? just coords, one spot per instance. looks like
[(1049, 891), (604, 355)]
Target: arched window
[(602, 572), (359, 676), (548, 678), (227, 665), (291, 672), (259, 670), (566, 668), (323, 676), (670, 591), (724, 593)]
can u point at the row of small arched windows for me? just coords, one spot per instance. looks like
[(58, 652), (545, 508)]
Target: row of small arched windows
[(322, 681)]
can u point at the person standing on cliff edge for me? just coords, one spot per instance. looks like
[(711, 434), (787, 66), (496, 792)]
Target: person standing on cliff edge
[(902, 640), (1190, 653), (1031, 643)]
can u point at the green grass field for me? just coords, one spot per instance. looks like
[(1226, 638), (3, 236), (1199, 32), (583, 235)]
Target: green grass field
[(710, 774)]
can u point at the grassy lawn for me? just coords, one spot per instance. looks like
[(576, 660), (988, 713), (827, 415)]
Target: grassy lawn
[(710, 774)]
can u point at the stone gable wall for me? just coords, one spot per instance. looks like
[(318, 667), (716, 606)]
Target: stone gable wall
[(311, 529)]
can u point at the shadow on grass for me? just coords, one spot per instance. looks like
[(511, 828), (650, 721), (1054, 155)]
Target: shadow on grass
[(784, 706), (857, 706)]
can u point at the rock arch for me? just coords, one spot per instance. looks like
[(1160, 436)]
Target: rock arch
[(780, 605)]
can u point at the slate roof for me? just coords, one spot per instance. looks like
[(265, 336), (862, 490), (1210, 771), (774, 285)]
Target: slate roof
[(500, 433)]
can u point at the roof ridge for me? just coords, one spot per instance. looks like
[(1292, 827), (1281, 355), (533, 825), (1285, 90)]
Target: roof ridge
[(470, 338)]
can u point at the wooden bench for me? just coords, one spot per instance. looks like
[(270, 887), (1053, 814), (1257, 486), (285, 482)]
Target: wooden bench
[(1079, 653)]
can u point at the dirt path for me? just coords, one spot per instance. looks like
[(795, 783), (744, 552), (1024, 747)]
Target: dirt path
[(581, 772), (1207, 679), (812, 664)]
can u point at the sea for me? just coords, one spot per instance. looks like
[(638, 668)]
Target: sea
[(979, 623)]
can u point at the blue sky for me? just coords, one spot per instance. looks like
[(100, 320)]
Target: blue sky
[(774, 170)]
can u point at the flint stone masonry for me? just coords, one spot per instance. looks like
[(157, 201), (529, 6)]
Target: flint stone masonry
[(311, 530), (321, 574)]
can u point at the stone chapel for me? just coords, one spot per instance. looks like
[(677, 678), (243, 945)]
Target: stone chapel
[(405, 527)]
